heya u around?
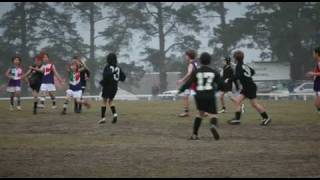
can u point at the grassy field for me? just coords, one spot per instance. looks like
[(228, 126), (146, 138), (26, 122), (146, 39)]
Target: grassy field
[(149, 140)]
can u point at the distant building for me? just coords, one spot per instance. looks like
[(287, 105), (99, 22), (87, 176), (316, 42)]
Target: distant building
[(152, 79), (271, 71)]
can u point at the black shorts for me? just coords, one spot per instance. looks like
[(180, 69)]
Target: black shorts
[(249, 92), (35, 86), (108, 93), (206, 104), (226, 87)]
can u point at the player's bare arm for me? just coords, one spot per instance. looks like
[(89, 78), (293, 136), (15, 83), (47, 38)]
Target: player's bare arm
[(190, 68)]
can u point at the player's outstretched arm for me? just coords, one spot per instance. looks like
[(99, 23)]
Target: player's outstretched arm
[(188, 83), (187, 76), (57, 74), (26, 74), (8, 74), (312, 73)]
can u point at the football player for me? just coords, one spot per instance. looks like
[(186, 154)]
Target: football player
[(316, 75), (112, 74), (34, 78), (244, 74), (207, 82), (15, 74), (192, 66), (74, 90), (228, 81)]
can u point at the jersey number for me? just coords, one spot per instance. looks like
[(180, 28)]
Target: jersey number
[(246, 71), (116, 73), (209, 78)]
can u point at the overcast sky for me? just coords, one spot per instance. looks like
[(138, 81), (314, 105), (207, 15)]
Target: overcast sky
[(235, 10)]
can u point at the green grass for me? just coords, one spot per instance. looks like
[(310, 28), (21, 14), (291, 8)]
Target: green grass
[(149, 140)]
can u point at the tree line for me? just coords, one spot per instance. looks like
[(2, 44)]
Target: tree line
[(283, 31)]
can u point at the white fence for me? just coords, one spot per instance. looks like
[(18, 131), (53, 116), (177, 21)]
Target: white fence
[(149, 97)]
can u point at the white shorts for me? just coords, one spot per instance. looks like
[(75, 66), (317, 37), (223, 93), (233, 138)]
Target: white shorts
[(318, 93), (74, 94), (189, 92), (47, 87), (13, 89)]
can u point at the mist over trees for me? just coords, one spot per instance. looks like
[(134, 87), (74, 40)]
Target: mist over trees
[(282, 31)]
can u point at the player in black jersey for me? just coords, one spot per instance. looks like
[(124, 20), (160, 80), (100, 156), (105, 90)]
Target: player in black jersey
[(244, 74), (112, 74), (34, 78), (228, 79), (84, 76), (206, 82)]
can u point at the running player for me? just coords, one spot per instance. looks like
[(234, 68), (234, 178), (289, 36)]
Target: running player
[(244, 74), (228, 80)]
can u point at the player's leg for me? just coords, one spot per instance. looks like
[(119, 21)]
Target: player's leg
[(317, 102), (35, 100), (43, 93), (77, 101), (80, 105), (113, 110), (233, 99), (214, 125), (17, 94), (69, 94), (75, 106), (196, 125), (112, 94), (265, 118), (11, 101), (81, 101), (103, 110), (223, 110), (238, 101), (185, 112), (53, 99)]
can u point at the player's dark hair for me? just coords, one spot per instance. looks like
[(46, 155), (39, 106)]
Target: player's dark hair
[(228, 60), (238, 56), (45, 54), (205, 58), (317, 50), (16, 56), (112, 59), (192, 54)]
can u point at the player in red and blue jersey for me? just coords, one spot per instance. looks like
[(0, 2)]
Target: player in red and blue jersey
[(316, 75), (47, 83), (192, 66), (15, 74)]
